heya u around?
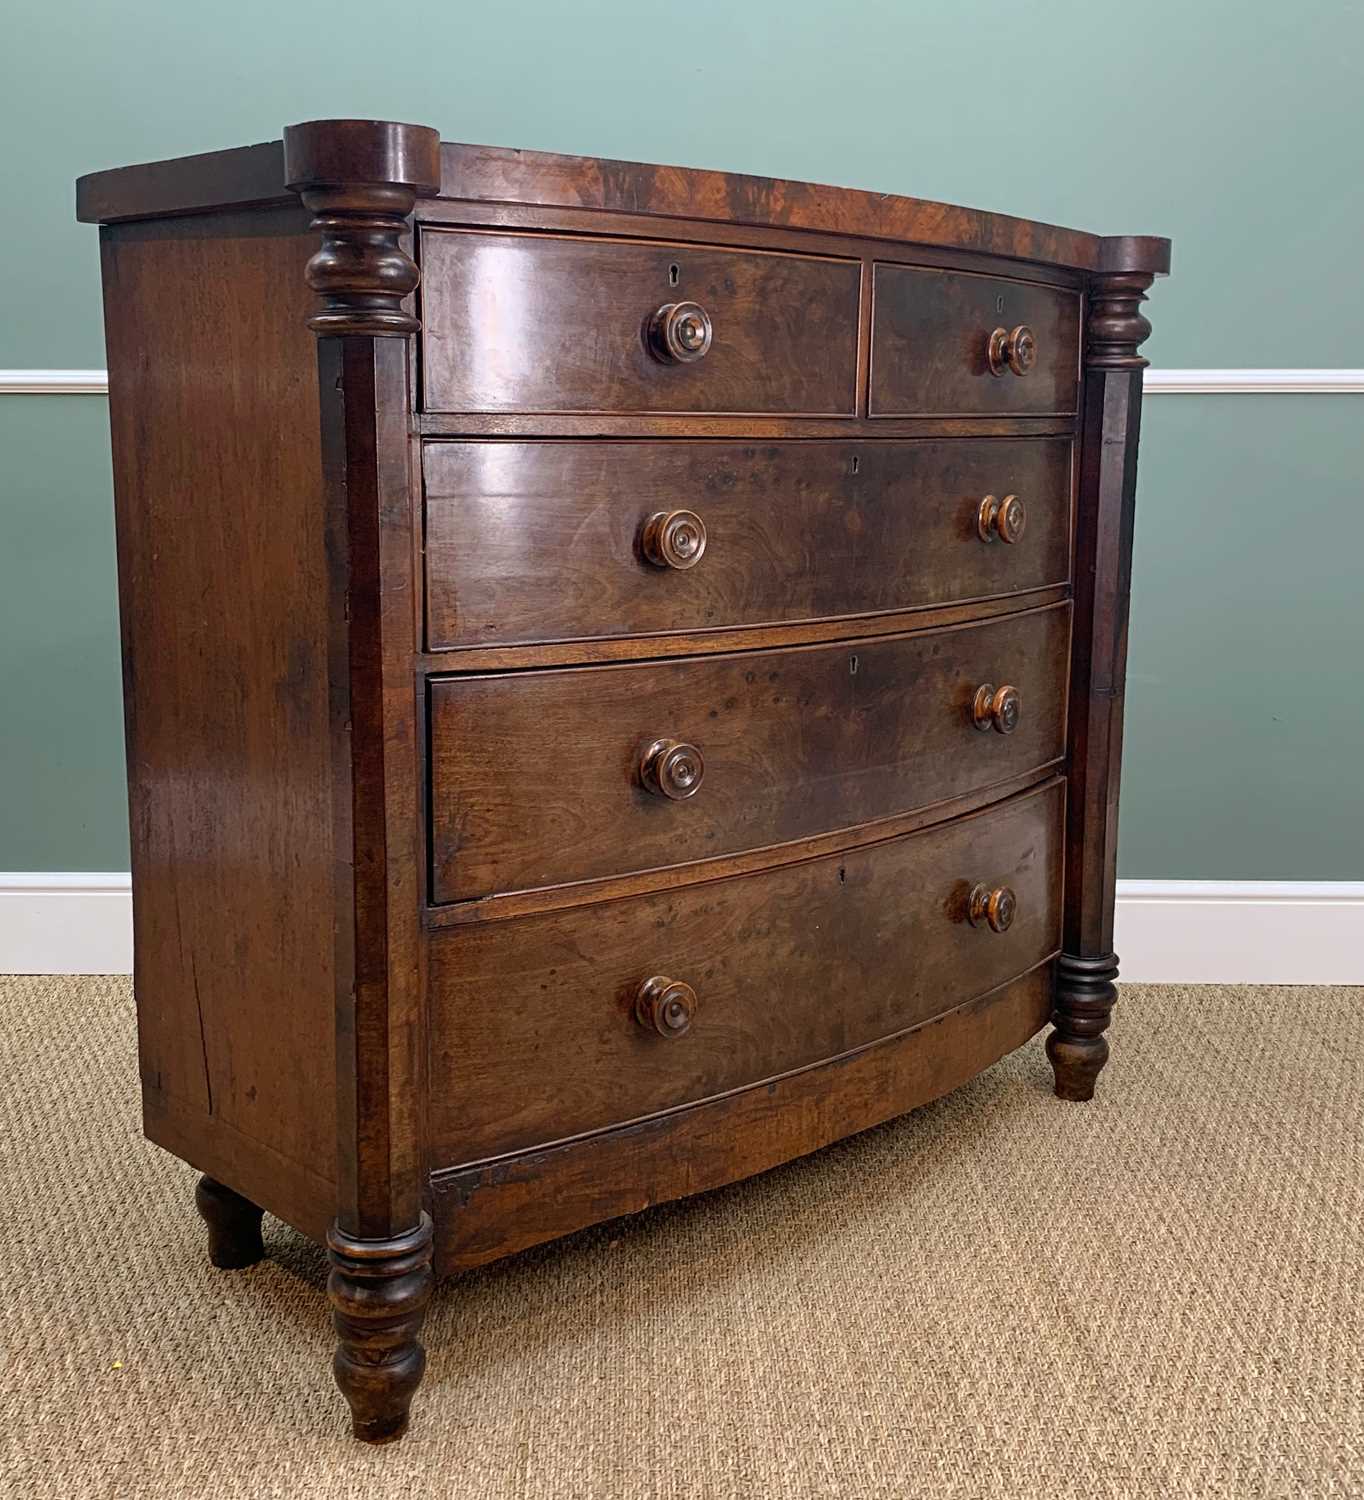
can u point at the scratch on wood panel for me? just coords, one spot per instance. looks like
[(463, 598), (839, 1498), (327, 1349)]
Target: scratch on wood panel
[(203, 1040)]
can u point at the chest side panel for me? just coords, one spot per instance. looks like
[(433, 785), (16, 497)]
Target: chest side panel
[(225, 599)]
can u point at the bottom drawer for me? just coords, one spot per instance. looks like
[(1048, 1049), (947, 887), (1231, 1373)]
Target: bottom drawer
[(537, 1026)]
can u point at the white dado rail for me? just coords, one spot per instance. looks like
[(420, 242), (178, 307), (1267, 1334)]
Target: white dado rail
[(1252, 382), (1158, 382), (54, 382), (1262, 932)]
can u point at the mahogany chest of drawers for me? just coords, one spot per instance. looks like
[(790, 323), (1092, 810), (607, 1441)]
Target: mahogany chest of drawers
[(624, 679)]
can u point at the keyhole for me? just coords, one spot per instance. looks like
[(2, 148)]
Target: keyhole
[(999, 303), (675, 272), (856, 465), (852, 666), (842, 876)]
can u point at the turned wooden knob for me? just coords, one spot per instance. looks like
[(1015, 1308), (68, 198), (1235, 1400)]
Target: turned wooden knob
[(994, 909), (1013, 349), (666, 1006), (680, 332), (996, 708), (672, 768), (1003, 519), (674, 539)]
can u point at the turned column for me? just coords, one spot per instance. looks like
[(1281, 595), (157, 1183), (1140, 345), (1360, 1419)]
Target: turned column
[(1087, 970), (361, 180), (378, 1290)]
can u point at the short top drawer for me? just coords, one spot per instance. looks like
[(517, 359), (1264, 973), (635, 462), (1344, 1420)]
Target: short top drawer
[(948, 343), (536, 323), (560, 541), (542, 778)]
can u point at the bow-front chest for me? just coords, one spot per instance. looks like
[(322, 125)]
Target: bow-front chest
[(624, 679)]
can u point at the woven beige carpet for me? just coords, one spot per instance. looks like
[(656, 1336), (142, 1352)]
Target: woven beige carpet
[(1158, 1294)]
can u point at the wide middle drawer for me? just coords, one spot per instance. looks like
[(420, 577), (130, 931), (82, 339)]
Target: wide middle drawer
[(555, 541), (542, 778)]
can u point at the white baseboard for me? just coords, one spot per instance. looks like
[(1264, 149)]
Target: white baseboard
[(1240, 931), (66, 924), (1168, 931)]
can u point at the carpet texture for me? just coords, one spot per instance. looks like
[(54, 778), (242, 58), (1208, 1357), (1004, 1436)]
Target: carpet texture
[(1156, 1294)]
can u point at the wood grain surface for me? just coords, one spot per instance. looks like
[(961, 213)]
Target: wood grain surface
[(931, 336), (533, 1031), (483, 1212), (561, 326), (535, 775), (226, 604), (531, 542)]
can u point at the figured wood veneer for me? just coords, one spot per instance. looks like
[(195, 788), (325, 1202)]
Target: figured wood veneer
[(789, 967), (534, 775), (570, 323), (931, 340), (487, 1210), (531, 542)]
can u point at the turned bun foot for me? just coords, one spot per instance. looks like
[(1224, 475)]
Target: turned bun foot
[(379, 1290), (234, 1239), (1076, 1064), (1085, 991)]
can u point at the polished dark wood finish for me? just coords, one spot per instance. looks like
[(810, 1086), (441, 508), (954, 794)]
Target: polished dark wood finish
[(673, 539), (380, 1243), (1003, 520), (936, 346), (233, 864), (603, 717), (266, 582), (1086, 989), (679, 332), (1086, 976), (366, 466), (667, 1006), (670, 877), (535, 777), (789, 966), (999, 709), (379, 1290), (1012, 350), (361, 179), (255, 175), (234, 1237), (995, 909), (672, 769), (485, 1211), (756, 427), (736, 638), (780, 331), (782, 532)]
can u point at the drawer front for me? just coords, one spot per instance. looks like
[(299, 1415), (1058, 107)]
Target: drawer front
[(537, 1032), (551, 541), (931, 345), (531, 323), (539, 778)]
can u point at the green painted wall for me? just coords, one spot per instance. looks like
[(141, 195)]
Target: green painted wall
[(1245, 705), (62, 801), (1232, 127)]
